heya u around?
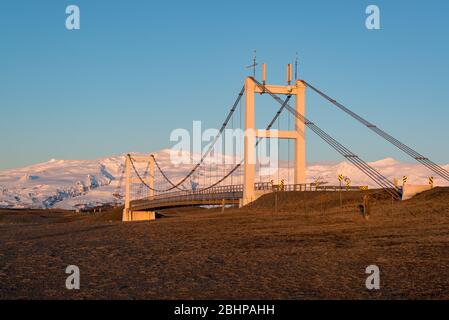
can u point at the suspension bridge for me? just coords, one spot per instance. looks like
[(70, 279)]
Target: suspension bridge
[(151, 187)]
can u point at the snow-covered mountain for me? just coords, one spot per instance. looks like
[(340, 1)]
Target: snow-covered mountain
[(71, 184), (48, 184)]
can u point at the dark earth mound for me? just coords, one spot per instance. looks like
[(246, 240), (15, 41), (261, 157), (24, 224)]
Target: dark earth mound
[(312, 248)]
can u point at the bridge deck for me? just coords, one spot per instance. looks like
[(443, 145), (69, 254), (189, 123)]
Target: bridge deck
[(230, 194), (213, 196)]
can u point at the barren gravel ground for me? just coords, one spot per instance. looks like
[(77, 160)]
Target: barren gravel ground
[(310, 249)]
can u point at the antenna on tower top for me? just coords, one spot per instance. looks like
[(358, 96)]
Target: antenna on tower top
[(254, 64), (296, 66)]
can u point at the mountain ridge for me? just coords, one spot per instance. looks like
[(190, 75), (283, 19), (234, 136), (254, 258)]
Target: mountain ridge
[(77, 184)]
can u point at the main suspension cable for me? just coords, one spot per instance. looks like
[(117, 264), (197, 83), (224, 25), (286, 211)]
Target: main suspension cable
[(259, 139), (211, 146), (373, 174), (412, 153), (269, 126)]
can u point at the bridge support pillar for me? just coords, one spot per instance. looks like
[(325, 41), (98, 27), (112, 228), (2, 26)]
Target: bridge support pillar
[(298, 134), (126, 210), (140, 216), (128, 213), (300, 141), (249, 141), (151, 177)]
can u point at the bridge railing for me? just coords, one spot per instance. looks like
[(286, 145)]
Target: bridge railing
[(318, 187), (269, 186), (260, 186), (233, 192), (263, 186), (220, 193), (183, 193)]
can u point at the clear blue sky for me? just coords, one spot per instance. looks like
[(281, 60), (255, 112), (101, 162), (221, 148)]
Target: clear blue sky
[(138, 69)]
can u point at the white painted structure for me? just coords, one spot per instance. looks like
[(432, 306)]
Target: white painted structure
[(129, 215), (410, 190), (298, 134)]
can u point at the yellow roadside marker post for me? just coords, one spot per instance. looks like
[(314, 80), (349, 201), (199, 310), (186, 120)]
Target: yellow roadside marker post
[(340, 179), (348, 183)]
